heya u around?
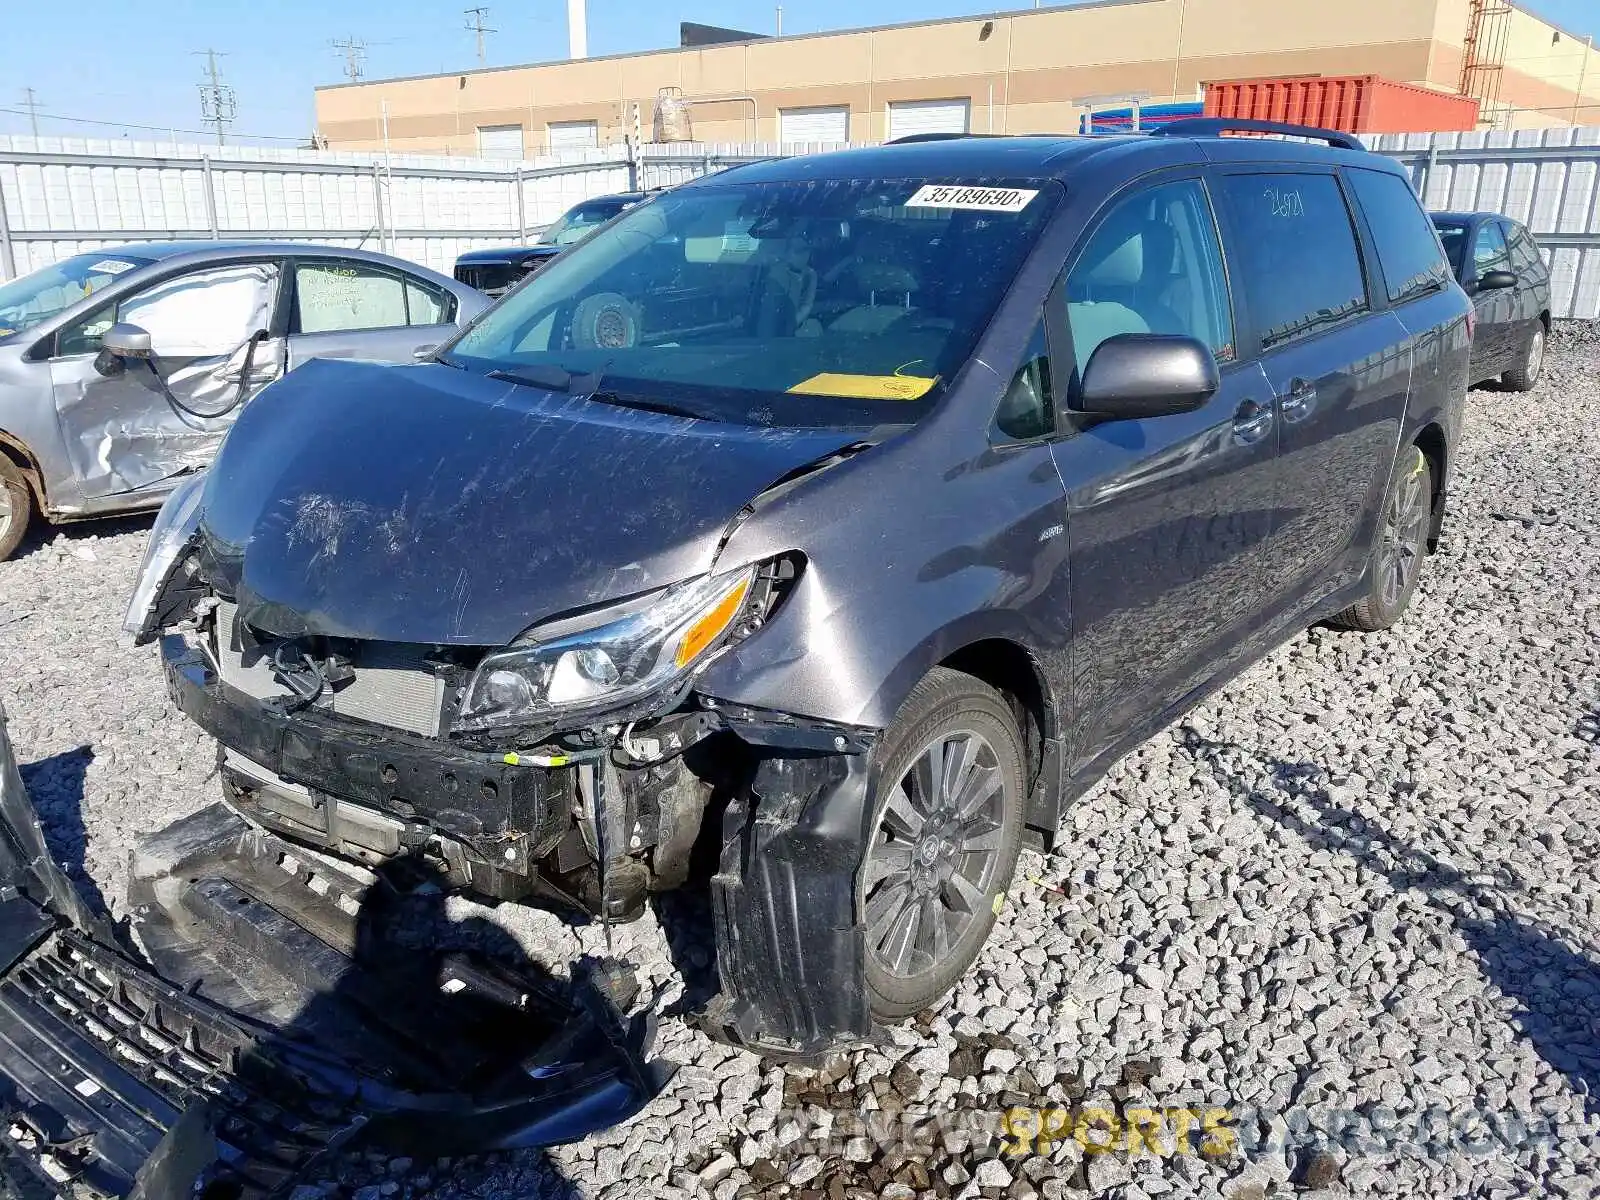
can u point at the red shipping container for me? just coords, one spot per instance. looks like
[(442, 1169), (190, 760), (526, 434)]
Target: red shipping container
[(1349, 103)]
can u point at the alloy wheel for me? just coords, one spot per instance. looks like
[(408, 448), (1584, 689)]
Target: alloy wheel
[(934, 854), (1405, 525), (8, 510), (1535, 356)]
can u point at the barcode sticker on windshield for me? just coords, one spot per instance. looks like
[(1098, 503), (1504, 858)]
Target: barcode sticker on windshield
[(110, 266), (977, 199)]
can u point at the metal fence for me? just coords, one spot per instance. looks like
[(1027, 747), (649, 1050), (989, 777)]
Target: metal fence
[(59, 196)]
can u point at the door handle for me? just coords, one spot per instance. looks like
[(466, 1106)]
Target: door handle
[(1251, 423), (1298, 402)]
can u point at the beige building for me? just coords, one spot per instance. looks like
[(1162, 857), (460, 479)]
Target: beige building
[(1010, 72)]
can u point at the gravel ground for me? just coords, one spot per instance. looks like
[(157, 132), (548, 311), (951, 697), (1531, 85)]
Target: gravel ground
[(1335, 932)]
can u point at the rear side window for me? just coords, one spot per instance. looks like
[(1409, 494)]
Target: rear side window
[(1297, 252), (1407, 248)]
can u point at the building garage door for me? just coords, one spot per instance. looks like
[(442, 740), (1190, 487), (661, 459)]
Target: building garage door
[(814, 124), (574, 135), (500, 141), (928, 116)]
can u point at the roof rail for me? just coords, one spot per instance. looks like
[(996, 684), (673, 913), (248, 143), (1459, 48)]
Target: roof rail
[(912, 139), (1217, 126)]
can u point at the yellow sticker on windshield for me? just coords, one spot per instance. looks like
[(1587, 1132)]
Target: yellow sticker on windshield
[(864, 387)]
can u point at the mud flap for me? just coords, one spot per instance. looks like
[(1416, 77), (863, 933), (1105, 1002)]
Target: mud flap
[(285, 1011)]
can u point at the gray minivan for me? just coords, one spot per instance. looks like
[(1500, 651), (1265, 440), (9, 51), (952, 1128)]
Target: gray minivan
[(830, 523), (121, 369)]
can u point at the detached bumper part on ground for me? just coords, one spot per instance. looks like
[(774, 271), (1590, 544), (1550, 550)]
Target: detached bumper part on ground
[(280, 1019)]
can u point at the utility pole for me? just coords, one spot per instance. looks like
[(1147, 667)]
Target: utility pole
[(476, 18), (30, 101), (218, 104), (355, 56)]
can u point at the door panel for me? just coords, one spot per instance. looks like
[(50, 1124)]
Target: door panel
[(127, 426), (1496, 310), (1341, 398), (397, 345), (1170, 524), (346, 308)]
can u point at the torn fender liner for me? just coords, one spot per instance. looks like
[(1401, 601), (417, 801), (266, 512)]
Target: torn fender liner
[(292, 1011), (791, 948)]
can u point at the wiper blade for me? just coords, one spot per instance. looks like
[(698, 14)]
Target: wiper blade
[(548, 376), (645, 405)]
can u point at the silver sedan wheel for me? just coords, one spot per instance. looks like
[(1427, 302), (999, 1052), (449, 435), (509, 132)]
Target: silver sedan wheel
[(935, 854), (8, 511), (1405, 527)]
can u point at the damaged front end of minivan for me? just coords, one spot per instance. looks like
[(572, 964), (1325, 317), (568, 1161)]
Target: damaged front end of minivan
[(576, 762)]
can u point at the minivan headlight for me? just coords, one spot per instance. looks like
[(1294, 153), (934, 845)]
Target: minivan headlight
[(612, 657)]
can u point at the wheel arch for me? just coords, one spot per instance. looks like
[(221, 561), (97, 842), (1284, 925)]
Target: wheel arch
[(14, 451), (1431, 441)]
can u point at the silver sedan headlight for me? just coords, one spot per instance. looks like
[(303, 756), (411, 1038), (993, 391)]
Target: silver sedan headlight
[(175, 525), (605, 659)]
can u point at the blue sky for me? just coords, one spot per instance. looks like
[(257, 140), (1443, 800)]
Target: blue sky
[(135, 63)]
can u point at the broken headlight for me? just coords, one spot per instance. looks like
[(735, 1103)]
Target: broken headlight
[(175, 525), (607, 658)]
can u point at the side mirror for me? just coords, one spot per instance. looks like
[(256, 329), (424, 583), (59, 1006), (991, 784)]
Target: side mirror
[(127, 341), (1148, 375), (1494, 281)]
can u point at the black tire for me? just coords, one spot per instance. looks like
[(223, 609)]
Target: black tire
[(1398, 549), (16, 508), (1525, 375), (937, 923)]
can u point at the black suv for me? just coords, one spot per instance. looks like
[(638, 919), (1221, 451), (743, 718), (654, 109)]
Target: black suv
[(497, 270), (833, 522)]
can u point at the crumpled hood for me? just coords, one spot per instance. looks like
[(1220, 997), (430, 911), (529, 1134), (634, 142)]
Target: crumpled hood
[(434, 505)]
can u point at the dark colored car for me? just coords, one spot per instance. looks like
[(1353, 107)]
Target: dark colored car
[(496, 270), (842, 518), (1498, 264)]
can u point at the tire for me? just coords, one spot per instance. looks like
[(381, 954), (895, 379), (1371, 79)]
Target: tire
[(1525, 375), (931, 885), (1398, 549), (16, 508)]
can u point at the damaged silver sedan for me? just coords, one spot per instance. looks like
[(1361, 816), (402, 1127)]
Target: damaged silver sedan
[(121, 369)]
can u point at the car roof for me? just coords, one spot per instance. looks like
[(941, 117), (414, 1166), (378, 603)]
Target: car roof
[(982, 156), (194, 252), (1467, 218)]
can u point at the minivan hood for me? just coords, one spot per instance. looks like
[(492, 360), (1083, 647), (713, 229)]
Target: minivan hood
[(434, 505)]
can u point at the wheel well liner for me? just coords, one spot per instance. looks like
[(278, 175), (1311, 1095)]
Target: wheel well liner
[(1430, 440), (19, 457)]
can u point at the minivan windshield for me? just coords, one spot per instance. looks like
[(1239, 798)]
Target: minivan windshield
[(26, 302), (815, 303)]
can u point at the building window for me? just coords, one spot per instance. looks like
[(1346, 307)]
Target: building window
[(910, 117), (574, 135), (830, 124), (500, 141)]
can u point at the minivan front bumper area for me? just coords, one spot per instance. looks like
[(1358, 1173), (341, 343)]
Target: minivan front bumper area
[(789, 942), (259, 1019)]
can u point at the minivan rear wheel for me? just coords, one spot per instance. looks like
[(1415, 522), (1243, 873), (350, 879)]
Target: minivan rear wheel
[(16, 507), (1398, 550), (1525, 375), (945, 838)]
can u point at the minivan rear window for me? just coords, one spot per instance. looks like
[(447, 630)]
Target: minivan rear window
[(1302, 270), (1408, 249)]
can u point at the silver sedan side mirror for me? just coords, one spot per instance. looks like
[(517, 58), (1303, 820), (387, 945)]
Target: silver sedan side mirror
[(127, 341)]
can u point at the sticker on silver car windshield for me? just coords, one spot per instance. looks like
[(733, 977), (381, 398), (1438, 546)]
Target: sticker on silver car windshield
[(976, 199), (110, 266)]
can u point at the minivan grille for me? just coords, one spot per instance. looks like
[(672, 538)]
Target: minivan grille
[(394, 684)]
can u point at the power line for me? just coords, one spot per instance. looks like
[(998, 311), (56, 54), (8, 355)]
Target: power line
[(475, 24), (260, 137), (218, 104), (355, 56), (30, 101)]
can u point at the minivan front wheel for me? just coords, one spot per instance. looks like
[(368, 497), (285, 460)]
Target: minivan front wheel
[(1399, 549), (945, 839), (16, 507)]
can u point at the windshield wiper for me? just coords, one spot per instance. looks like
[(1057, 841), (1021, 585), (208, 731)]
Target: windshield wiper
[(547, 376), (645, 405)]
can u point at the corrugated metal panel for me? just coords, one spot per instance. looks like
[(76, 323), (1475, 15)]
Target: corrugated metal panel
[(1352, 103)]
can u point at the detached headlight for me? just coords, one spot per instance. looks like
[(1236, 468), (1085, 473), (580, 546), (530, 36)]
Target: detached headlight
[(175, 525), (605, 659)]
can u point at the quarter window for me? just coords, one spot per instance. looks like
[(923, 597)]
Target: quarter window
[(1154, 265), (1297, 249), (1028, 409), (1407, 246), (1489, 251)]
